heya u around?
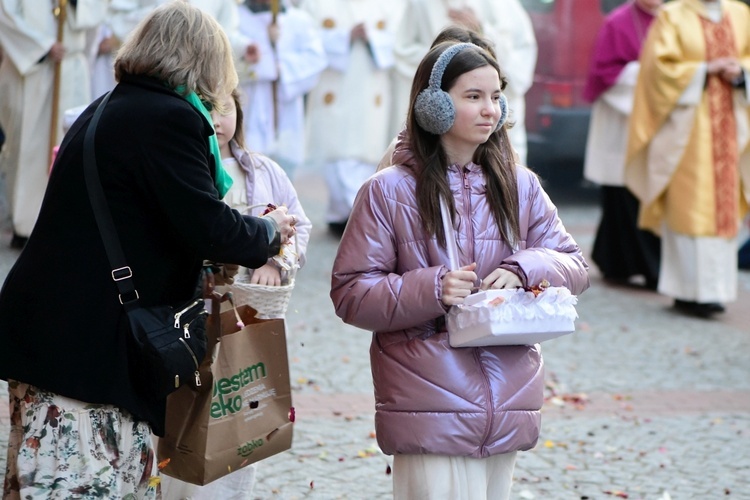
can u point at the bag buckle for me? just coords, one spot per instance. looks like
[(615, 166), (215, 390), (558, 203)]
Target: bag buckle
[(122, 302), (122, 273)]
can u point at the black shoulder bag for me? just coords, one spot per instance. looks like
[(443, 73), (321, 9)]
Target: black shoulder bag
[(166, 344)]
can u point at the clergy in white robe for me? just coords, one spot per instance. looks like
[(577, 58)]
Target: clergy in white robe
[(227, 15), (504, 22), (294, 62), (28, 30), (122, 18), (607, 139), (348, 110)]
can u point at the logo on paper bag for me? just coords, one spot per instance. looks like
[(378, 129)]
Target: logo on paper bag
[(226, 397), (248, 448)]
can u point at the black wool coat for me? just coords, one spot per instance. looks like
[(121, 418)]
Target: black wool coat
[(62, 327)]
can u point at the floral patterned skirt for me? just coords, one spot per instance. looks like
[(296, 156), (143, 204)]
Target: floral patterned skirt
[(62, 448)]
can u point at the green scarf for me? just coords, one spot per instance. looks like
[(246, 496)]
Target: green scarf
[(222, 179)]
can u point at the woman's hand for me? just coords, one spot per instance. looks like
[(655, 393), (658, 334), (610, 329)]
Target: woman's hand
[(285, 221), (225, 273), (267, 275), (457, 285), (501, 278)]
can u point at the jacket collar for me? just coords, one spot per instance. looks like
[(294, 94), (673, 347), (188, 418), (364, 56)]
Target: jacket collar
[(403, 155), (148, 82), (155, 85)]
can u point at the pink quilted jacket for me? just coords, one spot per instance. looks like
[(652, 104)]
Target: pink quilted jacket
[(431, 398)]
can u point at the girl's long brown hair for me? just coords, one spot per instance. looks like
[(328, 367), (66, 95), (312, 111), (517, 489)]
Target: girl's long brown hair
[(494, 156)]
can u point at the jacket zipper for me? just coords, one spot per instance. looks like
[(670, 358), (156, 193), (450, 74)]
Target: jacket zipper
[(468, 211), (470, 242), (490, 402)]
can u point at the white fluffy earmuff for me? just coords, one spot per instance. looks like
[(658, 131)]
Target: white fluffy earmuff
[(434, 109)]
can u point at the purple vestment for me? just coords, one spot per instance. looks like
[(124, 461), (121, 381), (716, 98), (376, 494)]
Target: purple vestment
[(618, 42)]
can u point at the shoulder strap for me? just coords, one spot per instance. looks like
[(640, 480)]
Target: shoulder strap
[(450, 235), (121, 273)]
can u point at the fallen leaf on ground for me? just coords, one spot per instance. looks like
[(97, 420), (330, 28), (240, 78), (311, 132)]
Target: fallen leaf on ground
[(616, 493)]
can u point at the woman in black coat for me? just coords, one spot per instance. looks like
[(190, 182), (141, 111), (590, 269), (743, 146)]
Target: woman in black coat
[(79, 425)]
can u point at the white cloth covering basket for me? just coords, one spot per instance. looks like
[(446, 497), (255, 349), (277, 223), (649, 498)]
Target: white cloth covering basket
[(269, 301), (511, 317)]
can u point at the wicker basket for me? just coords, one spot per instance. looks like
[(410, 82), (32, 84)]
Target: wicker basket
[(269, 301)]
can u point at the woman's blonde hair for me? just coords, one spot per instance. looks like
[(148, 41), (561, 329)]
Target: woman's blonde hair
[(183, 47)]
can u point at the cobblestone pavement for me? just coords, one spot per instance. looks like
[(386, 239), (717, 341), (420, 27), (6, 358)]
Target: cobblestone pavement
[(642, 403)]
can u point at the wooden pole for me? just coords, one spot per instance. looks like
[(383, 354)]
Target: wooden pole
[(275, 84), (60, 13)]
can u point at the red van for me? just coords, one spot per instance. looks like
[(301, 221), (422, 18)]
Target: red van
[(557, 117)]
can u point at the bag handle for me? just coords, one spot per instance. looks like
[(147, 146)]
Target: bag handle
[(121, 273), (451, 244)]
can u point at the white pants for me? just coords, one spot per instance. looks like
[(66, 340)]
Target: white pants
[(438, 477), (235, 486)]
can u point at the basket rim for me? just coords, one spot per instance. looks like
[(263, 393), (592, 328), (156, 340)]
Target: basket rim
[(256, 286)]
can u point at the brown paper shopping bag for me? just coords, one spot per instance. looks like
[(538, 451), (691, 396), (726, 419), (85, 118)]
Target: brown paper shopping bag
[(241, 413)]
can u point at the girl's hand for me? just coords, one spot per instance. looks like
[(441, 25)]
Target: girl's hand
[(267, 275), (501, 278), (457, 285)]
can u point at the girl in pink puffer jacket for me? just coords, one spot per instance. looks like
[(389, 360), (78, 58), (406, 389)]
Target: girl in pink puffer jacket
[(453, 417)]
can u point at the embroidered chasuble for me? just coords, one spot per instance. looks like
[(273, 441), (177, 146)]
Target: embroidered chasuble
[(724, 153), (688, 158)]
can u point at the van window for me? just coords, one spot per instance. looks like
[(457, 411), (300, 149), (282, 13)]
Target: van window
[(610, 5), (538, 5), (547, 5)]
